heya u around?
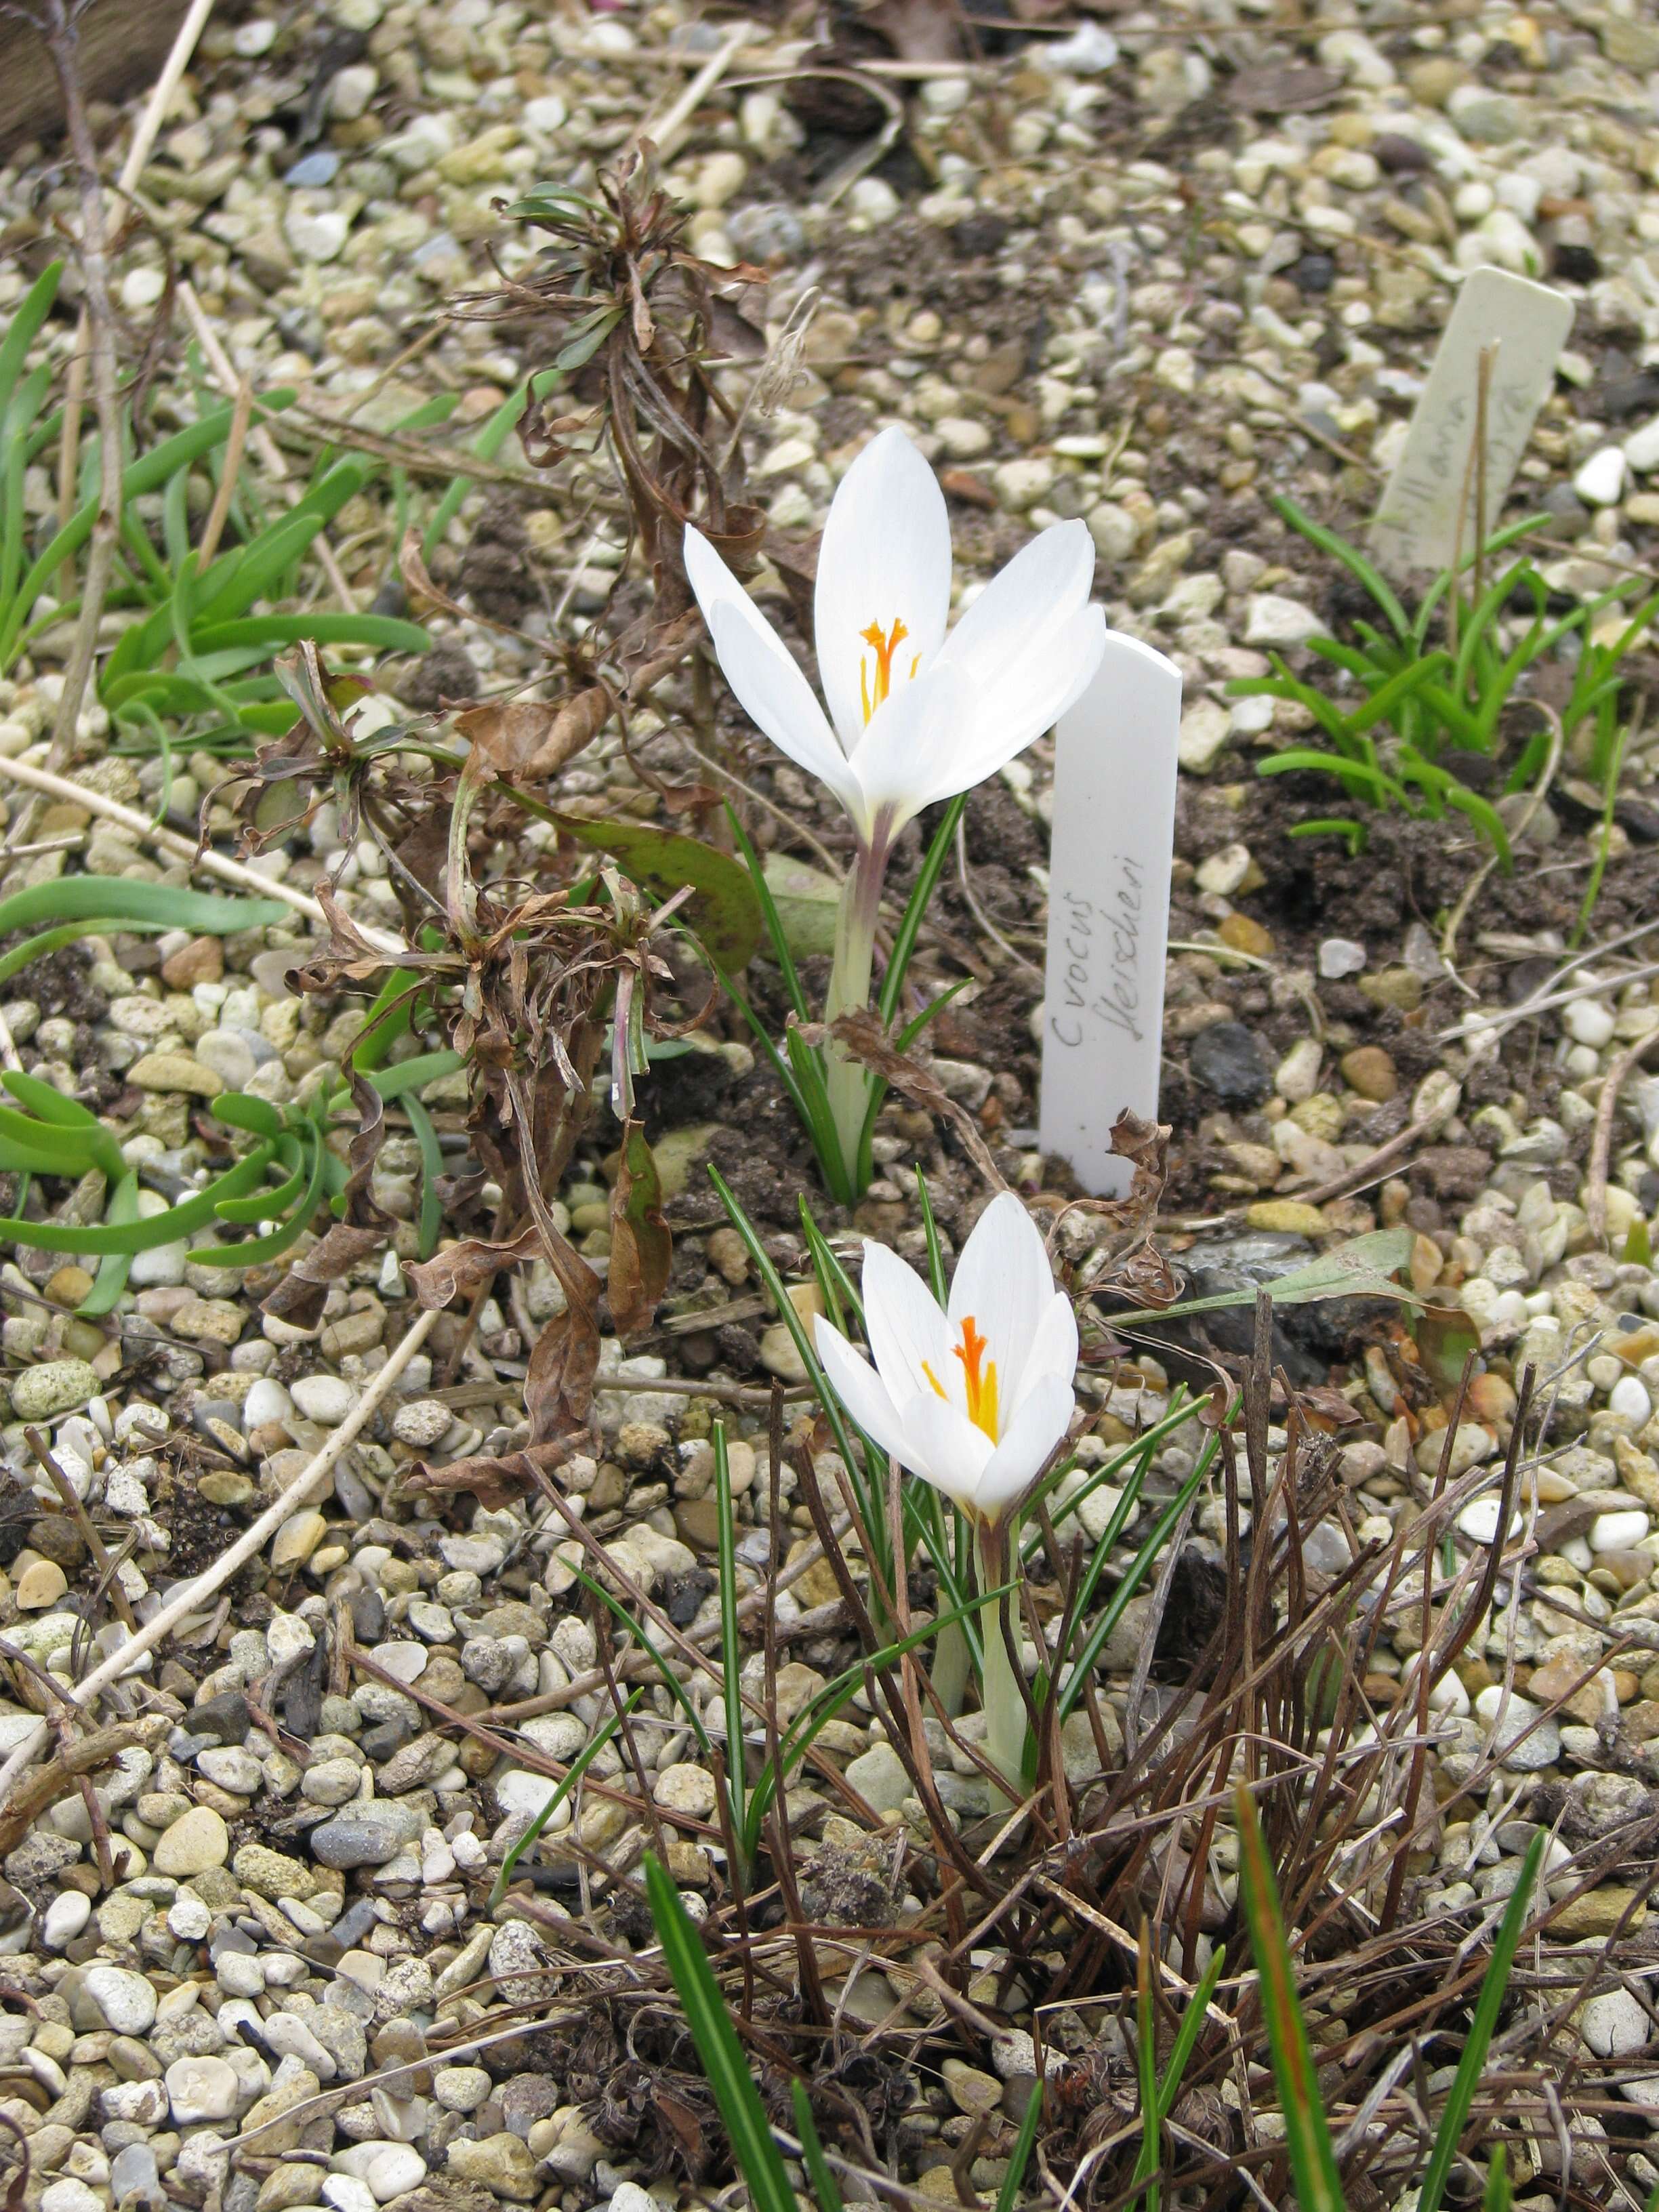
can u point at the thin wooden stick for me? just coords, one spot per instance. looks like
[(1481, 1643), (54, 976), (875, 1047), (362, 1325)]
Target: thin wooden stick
[(1618, 1074), (219, 361), (161, 98), (668, 131), (227, 492), (181, 848), (248, 1545)]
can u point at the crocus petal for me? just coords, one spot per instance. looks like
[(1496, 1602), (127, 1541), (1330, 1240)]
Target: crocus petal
[(943, 1448), (885, 557), (1004, 1280), (913, 746), (1042, 1419), (1053, 1353), (1027, 697), (1038, 592), (778, 699), (860, 1388), (771, 690), (911, 1339)]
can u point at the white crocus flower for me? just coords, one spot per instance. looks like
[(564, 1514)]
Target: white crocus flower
[(916, 716), (975, 1398)]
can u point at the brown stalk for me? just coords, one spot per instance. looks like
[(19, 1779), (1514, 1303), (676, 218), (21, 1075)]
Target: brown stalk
[(82, 1520), (59, 24)]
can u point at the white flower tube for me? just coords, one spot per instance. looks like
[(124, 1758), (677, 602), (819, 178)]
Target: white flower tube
[(916, 716), (973, 1399)]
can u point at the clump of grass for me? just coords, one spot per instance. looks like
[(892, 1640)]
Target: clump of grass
[(1415, 689)]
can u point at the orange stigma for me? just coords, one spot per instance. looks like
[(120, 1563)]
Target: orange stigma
[(885, 644), (980, 1375)]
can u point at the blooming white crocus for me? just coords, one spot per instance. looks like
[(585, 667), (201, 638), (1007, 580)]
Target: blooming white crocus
[(915, 714), (975, 1397)]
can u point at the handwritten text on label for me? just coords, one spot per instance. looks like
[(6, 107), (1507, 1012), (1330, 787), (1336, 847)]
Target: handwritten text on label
[(1109, 909), (1416, 524)]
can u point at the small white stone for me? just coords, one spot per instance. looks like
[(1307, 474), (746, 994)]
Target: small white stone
[(1629, 1399), (1479, 1519), (319, 235), (1542, 1743), (395, 2168), (66, 1916), (126, 2000), (188, 1917), (203, 2088), (266, 1400), (686, 1788), (1642, 447), (1617, 1532), (1342, 956), (1588, 1021), (325, 1399), (252, 39), (1600, 481), (1271, 619), (1615, 2025)]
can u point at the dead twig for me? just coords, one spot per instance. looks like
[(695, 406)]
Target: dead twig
[(1618, 1072)]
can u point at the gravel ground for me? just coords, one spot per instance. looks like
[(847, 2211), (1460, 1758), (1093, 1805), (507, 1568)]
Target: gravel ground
[(1146, 268)]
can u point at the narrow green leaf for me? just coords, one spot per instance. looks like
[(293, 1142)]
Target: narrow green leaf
[(156, 1229), (116, 899), (825, 2187), (1020, 2157), (112, 1276), (1307, 2132), (723, 2061), (574, 1773), (1363, 1268), (1467, 2080)]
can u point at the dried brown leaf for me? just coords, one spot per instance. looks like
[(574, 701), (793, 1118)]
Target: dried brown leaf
[(299, 1298), (458, 1270), (535, 737), (642, 1250), (862, 1035), (558, 1385), (494, 1482)]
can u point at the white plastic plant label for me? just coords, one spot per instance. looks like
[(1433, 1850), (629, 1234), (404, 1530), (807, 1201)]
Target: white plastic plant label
[(1417, 521), (1109, 909)]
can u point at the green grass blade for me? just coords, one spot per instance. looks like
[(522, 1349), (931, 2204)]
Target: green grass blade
[(1467, 2080), (1352, 560), (1020, 2157), (775, 936), (572, 1774), (112, 1276), (826, 2188), (1497, 2196), (155, 1229), (486, 444), (113, 898), (1307, 2132), (915, 910), (430, 1220), (723, 2061), (414, 1074), (930, 1229)]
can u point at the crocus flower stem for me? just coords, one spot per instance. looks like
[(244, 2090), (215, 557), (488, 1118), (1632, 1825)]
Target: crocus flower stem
[(846, 1079), (953, 1663), (999, 1689)]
